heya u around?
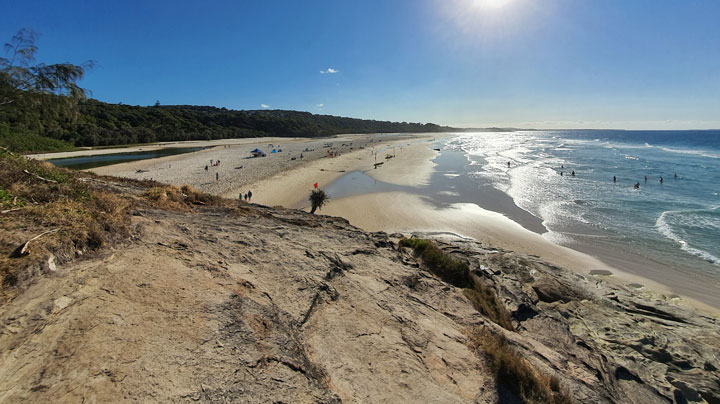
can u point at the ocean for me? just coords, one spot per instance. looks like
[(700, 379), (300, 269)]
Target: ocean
[(675, 222)]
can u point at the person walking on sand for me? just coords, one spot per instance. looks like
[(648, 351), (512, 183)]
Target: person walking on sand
[(217, 176), (249, 194), (245, 197), (206, 167)]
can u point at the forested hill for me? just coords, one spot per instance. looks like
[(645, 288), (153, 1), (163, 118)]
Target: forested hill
[(95, 123), (186, 122)]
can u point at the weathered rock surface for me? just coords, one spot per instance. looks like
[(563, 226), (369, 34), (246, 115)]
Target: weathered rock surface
[(264, 305)]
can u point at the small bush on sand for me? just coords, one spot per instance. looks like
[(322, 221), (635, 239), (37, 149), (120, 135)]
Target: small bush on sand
[(457, 273), (516, 373), (318, 199)]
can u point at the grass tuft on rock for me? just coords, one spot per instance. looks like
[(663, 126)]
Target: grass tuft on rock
[(457, 273), (515, 372)]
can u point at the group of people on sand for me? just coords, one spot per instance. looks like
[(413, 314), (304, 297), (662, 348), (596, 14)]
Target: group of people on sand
[(213, 163), (247, 196)]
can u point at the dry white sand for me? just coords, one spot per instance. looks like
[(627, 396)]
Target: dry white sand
[(238, 172)]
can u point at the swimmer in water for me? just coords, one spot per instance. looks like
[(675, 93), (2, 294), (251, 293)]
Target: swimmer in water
[(637, 185), (572, 173), (661, 180), (614, 179)]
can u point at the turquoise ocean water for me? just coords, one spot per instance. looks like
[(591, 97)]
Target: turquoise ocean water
[(676, 222)]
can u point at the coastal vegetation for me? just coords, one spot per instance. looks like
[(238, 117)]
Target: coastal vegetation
[(50, 216), (95, 123), (318, 198), (457, 273), (58, 211)]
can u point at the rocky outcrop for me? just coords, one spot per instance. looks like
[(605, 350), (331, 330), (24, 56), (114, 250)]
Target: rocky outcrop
[(253, 304), (606, 342)]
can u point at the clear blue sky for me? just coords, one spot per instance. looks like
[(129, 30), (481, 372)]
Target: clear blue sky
[(525, 63)]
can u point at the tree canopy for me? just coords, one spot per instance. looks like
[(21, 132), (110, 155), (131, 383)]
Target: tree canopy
[(19, 71)]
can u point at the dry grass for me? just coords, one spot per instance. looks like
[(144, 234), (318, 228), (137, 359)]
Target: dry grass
[(182, 199), (40, 197), (515, 372), (485, 300), (457, 273)]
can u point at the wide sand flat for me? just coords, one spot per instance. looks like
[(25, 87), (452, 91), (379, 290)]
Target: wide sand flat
[(238, 172)]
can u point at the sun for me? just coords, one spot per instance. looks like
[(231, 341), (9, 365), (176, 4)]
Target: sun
[(491, 4)]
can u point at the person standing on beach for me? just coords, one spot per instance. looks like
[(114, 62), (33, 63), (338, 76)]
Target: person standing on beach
[(217, 176), (249, 195)]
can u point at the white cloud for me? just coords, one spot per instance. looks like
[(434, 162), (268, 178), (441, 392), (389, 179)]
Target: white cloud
[(320, 105), (330, 70), (264, 105)]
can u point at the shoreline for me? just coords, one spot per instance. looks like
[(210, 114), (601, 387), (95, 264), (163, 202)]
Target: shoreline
[(289, 185)]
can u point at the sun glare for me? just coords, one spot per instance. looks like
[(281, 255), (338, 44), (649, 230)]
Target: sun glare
[(491, 4)]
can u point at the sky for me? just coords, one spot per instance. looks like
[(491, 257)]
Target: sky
[(627, 64)]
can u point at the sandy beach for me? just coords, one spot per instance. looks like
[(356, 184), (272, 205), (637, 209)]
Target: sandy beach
[(301, 163), (278, 179)]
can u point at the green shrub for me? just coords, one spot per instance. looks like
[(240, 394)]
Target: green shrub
[(450, 270), (457, 273), (24, 141)]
